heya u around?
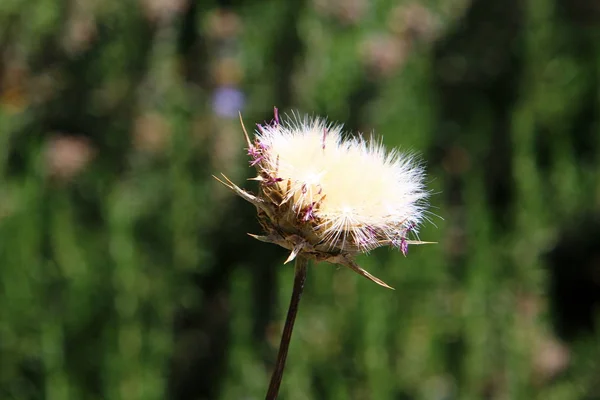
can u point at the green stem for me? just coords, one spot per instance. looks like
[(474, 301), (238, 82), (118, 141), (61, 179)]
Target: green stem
[(299, 279)]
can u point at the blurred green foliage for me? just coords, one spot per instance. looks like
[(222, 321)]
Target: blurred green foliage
[(126, 271)]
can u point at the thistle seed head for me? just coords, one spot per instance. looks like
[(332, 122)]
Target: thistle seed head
[(329, 198)]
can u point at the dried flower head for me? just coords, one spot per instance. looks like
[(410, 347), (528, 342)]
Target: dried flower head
[(329, 198)]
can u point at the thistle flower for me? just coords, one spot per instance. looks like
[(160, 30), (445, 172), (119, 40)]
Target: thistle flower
[(329, 198)]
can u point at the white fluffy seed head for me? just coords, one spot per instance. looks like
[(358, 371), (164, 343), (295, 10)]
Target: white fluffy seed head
[(351, 193)]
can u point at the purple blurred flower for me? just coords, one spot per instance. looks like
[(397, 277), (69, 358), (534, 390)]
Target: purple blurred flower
[(227, 101)]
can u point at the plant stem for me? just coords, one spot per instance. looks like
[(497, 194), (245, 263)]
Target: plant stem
[(299, 278)]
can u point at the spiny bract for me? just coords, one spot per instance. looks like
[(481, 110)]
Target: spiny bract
[(329, 198)]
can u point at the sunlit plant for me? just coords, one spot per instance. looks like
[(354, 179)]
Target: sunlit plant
[(329, 198)]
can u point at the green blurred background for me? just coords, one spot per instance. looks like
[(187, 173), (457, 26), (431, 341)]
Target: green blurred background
[(126, 271)]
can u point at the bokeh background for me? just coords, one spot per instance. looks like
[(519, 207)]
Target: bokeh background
[(126, 271)]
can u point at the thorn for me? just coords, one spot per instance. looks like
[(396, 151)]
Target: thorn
[(260, 237), (294, 252), (258, 202), (223, 183), (353, 266), (244, 129), (419, 242), (290, 257)]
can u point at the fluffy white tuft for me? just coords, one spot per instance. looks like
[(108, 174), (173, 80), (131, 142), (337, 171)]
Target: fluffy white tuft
[(353, 187)]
